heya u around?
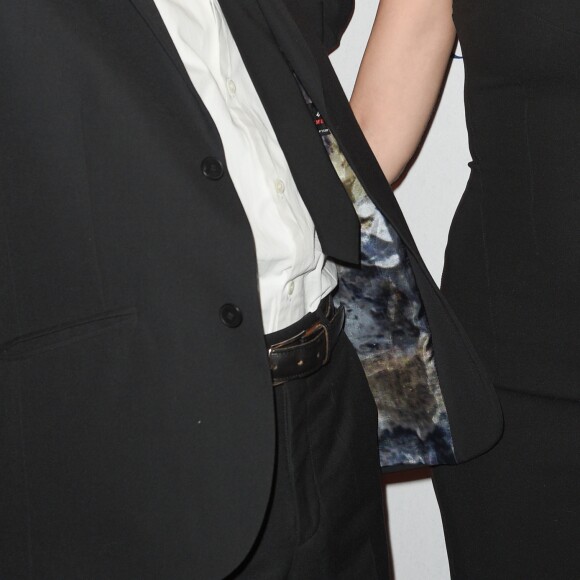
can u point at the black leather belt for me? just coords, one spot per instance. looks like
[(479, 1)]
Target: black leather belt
[(309, 350)]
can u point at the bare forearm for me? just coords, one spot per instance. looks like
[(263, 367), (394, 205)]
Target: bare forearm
[(401, 75)]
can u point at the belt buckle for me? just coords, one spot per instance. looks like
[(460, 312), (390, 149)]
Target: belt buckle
[(281, 344), (286, 342), (315, 328), (304, 335)]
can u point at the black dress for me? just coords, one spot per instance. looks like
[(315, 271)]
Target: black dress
[(512, 274)]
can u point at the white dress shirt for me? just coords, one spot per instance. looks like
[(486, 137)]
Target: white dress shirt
[(294, 274)]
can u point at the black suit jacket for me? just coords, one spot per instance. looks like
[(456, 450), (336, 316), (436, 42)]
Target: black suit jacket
[(137, 426)]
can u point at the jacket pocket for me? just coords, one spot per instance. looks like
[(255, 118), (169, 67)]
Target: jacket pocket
[(63, 334)]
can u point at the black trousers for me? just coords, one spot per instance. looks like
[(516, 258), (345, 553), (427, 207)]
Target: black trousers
[(514, 513), (325, 519)]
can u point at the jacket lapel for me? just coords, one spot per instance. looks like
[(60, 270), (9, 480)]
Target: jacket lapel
[(151, 15), (148, 11)]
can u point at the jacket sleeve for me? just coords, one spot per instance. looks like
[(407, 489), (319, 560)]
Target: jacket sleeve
[(328, 19)]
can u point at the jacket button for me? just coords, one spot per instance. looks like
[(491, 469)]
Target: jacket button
[(231, 315), (212, 168)]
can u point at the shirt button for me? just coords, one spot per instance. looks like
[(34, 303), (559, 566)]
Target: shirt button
[(280, 187), (291, 288), (231, 87), (212, 168), (231, 315)]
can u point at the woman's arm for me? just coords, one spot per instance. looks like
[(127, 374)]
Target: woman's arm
[(400, 77)]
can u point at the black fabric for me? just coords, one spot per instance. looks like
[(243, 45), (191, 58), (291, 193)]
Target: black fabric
[(513, 257), (325, 518), (328, 18), (114, 445), (137, 429), (511, 274), (514, 513)]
